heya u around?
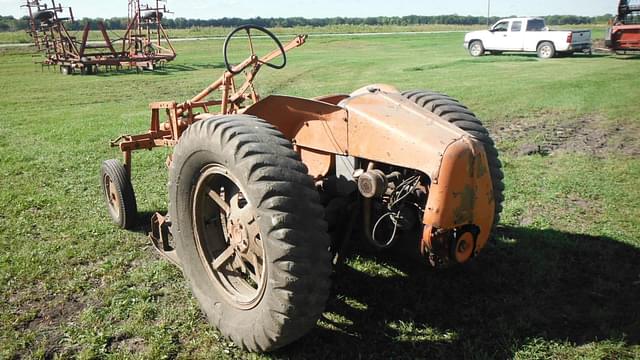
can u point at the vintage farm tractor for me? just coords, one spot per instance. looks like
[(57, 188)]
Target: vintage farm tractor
[(264, 192)]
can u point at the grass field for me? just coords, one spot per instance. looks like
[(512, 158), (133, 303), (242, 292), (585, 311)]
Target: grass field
[(21, 37), (561, 280), (16, 37)]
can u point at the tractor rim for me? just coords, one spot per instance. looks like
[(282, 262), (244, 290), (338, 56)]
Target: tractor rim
[(111, 193), (228, 238)]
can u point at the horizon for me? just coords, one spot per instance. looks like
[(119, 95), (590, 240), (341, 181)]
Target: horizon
[(192, 9)]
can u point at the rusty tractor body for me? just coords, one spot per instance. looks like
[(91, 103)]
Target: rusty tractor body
[(265, 192), (145, 44)]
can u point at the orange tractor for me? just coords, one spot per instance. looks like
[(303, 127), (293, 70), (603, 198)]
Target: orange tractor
[(265, 192)]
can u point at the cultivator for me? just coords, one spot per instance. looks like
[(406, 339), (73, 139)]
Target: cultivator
[(624, 33), (145, 44), (264, 192)]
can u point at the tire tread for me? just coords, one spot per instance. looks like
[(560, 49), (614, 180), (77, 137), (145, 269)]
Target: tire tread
[(298, 243)]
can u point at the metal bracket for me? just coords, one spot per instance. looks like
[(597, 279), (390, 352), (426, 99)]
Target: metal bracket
[(160, 238), (120, 139)]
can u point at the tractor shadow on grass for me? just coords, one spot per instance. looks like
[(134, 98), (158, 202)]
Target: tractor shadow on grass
[(143, 221), (169, 69), (530, 284)]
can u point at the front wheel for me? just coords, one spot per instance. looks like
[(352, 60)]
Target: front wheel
[(118, 194), (249, 231), (546, 50), (476, 48)]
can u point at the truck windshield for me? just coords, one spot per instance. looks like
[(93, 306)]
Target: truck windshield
[(535, 25)]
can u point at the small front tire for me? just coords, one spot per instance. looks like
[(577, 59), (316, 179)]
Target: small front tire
[(118, 194)]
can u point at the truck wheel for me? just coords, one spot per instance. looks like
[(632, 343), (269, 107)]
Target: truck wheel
[(476, 48), (546, 50), (249, 230), (118, 194), (452, 111)]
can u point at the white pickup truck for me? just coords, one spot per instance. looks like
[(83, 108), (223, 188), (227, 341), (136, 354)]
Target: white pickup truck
[(527, 35)]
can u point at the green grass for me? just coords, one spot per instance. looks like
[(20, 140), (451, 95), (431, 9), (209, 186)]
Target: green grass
[(21, 37), (561, 280), (17, 37)]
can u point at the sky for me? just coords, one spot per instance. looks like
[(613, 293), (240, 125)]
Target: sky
[(332, 8)]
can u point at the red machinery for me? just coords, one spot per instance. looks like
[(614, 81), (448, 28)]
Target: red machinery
[(624, 33), (145, 44)]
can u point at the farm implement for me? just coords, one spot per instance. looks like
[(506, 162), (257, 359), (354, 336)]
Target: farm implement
[(623, 35), (265, 193), (145, 44)]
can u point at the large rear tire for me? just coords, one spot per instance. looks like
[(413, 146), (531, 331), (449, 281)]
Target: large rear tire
[(454, 112), (249, 231)]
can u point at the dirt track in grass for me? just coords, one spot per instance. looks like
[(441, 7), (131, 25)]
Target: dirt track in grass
[(554, 134)]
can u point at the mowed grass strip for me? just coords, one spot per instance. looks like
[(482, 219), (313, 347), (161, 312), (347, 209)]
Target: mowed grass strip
[(21, 37), (561, 280)]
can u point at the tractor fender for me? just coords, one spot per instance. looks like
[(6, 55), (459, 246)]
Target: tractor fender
[(317, 129), (377, 126)]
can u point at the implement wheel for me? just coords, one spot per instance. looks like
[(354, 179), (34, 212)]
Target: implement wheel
[(457, 114), (249, 231), (88, 70), (118, 194)]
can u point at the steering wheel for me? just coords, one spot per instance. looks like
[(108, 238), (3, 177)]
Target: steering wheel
[(247, 29)]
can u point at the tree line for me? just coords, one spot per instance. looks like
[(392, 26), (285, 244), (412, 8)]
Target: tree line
[(9, 23)]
